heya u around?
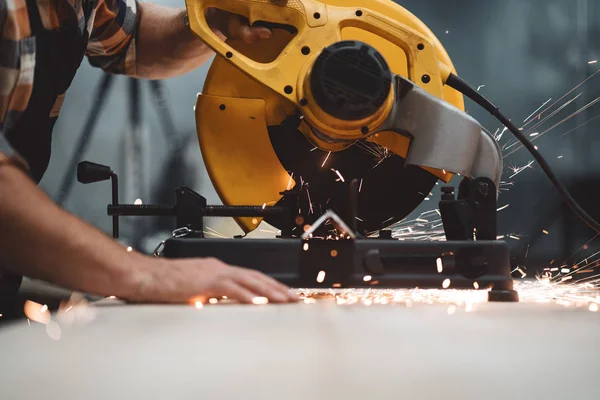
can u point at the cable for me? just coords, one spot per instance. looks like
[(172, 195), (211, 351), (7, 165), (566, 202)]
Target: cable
[(463, 87)]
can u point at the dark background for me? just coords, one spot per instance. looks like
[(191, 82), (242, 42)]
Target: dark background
[(524, 52)]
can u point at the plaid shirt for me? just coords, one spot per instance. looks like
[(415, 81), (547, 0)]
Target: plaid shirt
[(111, 46)]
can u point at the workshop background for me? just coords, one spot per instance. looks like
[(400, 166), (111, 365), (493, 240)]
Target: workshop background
[(521, 53)]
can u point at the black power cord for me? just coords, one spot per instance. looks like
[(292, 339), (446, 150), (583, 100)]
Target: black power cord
[(463, 87)]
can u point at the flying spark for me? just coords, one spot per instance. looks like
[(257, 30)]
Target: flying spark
[(338, 174), (260, 300), (321, 276), (326, 158)]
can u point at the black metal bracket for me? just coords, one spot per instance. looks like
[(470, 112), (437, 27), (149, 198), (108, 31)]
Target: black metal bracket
[(189, 209), (471, 216)]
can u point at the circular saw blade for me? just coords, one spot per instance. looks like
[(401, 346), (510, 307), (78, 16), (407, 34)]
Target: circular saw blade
[(389, 190)]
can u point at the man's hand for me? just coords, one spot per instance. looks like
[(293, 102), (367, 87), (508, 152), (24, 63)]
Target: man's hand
[(234, 26), (40, 240), (190, 280), (166, 47)]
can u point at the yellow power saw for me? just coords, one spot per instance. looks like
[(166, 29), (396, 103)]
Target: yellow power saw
[(343, 90)]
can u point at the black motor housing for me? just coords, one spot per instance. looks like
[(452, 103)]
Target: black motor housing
[(350, 80)]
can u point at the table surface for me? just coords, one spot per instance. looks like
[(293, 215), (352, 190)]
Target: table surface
[(322, 350)]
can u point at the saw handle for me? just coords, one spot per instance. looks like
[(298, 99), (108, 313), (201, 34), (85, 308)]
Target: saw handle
[(318, 26)]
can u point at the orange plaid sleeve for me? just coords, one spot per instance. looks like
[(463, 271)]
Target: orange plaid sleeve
[(112, 40), (17, 64)]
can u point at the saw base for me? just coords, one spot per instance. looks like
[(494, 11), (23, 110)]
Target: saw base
[(330, 253), (364, 263)]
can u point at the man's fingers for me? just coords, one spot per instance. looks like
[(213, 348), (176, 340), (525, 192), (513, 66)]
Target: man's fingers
[(258, 283), (238, 28), (262, 32), (235, 291), (276, 285)]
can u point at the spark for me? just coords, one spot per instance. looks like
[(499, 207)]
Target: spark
[(360, 186), (213, 300), (503, 208), (264, 206), (569, 117), (326, 158), (290, 181), (137, 202), (534, 134), (565, 270), (480, 87), (440, 265), (44, 308), (579, 126), (518, 170), (129, 249), (338, 174), (514, 237), (367, 278), (546, 232), (321, 276), (305, 247), (559, 157), (536, 111), (592, 62), (310, 204), (198, 305), (568, 93), (501, 133), (260, 300), (476, 285), (446, 283)]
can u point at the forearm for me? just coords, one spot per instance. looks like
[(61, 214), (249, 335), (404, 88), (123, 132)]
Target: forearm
[(165, 46), (41, 241)]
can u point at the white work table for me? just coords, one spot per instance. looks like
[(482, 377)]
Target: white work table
[(307, 351)]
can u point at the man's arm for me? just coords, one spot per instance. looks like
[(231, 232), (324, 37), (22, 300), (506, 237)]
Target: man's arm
[(41, 241), (166, 47)]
